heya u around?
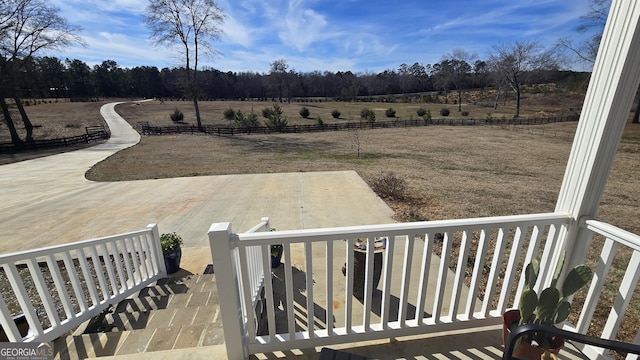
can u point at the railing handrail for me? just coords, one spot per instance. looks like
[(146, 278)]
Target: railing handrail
[(48, 250), (322, 234), (614, 233)]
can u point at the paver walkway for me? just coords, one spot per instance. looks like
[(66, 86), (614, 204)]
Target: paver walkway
[(48, 201)]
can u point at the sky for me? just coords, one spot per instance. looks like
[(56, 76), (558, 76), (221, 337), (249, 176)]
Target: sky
[(346, 35)]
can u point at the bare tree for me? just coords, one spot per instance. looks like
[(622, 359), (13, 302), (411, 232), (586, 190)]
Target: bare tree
[(513, 63), (191, 25), (587, 50), (27, 28), (595, 19), (459, 70), (357, 139), (279, 74)]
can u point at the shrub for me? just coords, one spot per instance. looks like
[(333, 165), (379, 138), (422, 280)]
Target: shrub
[(276, 121), (176, 116), (368, 115), (427, 116), (230, 114), (248, 122), (464, 113), (304, 112), (390, 113), (336, 114), (421, 112), (389, 185), (444, 112), (371, 117), (267, 112), (364, 113), (320, 122), (489, 118)]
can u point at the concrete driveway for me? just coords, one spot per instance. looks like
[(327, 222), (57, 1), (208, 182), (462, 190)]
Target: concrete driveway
[(48, 201)]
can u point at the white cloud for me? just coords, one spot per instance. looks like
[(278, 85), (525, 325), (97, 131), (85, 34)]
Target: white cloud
[(236, 32), (303, 26)]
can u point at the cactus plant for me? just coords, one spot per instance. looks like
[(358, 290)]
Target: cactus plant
[(551, 306)]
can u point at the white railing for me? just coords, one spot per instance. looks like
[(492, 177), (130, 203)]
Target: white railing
[(617, 247), (57, 288), (309, 302), (253, 273)]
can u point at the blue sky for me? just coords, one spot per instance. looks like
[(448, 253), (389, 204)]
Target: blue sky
[(355, 35)]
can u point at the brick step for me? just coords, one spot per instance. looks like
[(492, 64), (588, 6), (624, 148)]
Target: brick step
[(138, 341), (136, 320), (181, 285), (149, 303)]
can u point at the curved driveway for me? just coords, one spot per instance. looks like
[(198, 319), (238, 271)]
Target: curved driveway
[(48, 200)]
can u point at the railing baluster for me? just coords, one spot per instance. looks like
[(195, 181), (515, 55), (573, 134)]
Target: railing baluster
[(288, 282), (123, 248), (532, 251), (88, 279), (427, 251), (6, 320), (144, 257), (625, 292), (550, 247), (59, 283), (510, 271), (75, 281), (268, 292), (115, 253), (597, 284), (493, 274), (43, 291), (308, 259), (23, 298), (139, 259), (115, 290), (368, 281), (388, 272), (151, 255), (329, 287), (406, 278), (442, 277), (130, 261), (461, 269), (247, 292), (348, 300), (476, 276), (97, 267)]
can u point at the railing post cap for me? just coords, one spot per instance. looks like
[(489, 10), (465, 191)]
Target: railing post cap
[(221, 226)]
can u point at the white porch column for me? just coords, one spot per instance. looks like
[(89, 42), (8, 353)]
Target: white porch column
[(613, 85)]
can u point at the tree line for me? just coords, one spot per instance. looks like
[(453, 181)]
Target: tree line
[(50, 77)]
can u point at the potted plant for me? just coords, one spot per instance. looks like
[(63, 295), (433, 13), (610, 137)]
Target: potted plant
[(172, 250), (549, 308), (276, 253)]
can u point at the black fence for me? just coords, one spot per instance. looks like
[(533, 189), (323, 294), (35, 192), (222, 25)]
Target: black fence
[(93, 133), (147, 129)]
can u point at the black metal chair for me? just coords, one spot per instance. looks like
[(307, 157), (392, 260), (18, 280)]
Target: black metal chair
[(520, 331)]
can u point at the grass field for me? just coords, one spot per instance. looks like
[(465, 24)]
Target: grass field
[(451, 172)]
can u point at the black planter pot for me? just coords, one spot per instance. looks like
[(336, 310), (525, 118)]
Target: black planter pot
[(172, 261), (276, 258)]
